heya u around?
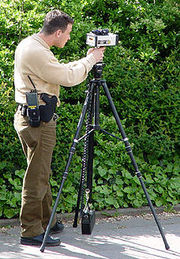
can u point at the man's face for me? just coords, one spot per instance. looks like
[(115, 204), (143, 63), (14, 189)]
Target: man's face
[(62, 37)]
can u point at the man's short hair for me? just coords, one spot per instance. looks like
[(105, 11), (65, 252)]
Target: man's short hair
[(56, 20)]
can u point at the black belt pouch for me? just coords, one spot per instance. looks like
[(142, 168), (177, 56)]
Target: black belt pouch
[(87, 222), (47, 111)]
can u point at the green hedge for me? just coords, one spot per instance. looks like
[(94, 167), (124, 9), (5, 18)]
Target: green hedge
[(142, 76)]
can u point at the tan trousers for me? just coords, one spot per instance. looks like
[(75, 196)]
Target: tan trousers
[(37, 144)]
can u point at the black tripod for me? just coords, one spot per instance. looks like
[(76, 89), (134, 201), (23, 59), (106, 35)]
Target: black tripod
[(92, 96)]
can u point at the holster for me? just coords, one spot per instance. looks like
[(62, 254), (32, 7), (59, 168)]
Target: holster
[(47, 111)]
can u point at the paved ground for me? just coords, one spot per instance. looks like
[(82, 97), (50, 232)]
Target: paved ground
[(122, 237)]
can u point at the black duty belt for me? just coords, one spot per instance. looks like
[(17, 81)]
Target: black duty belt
[(22, 108)]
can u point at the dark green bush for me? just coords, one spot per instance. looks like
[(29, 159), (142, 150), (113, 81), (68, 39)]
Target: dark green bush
[(142, 76)]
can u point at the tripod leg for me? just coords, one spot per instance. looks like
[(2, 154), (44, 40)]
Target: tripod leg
[(130, 153), (78, 202), (71, 153)]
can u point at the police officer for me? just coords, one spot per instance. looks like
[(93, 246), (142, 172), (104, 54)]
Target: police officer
[(34, 60)]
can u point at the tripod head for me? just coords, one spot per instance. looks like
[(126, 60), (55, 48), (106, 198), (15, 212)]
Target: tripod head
[(97, 70)]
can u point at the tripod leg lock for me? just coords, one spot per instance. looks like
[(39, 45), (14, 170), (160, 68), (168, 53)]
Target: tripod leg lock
[(127, 145), (65, 174), (73, 149), (125, 139), (138, 173), (128, 148)]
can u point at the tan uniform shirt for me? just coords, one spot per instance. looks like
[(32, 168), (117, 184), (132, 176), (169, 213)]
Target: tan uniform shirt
[(33, 57)]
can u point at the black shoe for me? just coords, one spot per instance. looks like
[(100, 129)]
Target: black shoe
[(58, 227), (37, 241)]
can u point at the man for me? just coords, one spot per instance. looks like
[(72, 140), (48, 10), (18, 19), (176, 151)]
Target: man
[(36, 68)]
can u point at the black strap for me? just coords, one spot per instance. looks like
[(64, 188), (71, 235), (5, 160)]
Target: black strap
[(32, 83)]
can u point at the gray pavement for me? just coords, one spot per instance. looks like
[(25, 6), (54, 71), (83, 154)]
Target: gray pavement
[(120, 237)]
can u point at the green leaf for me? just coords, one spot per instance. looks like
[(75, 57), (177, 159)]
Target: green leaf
[(119, 193), (128, 189), (20, 173), (3, 195), (119, 181), (1, 211), (102, 171), (110, 200), (137, 203), (127, 174), (9, 213), (158, 202)]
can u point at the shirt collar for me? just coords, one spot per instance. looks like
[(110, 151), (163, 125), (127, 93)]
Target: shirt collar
[(40, 40)]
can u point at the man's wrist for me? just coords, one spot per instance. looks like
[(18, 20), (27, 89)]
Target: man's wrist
[(91, 59)]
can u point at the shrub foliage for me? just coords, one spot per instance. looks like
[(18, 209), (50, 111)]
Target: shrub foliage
[(142, 76)]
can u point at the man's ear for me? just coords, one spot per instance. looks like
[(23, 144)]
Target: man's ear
[(58, 33)]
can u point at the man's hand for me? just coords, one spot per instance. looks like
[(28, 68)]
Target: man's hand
[(98, 53)]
